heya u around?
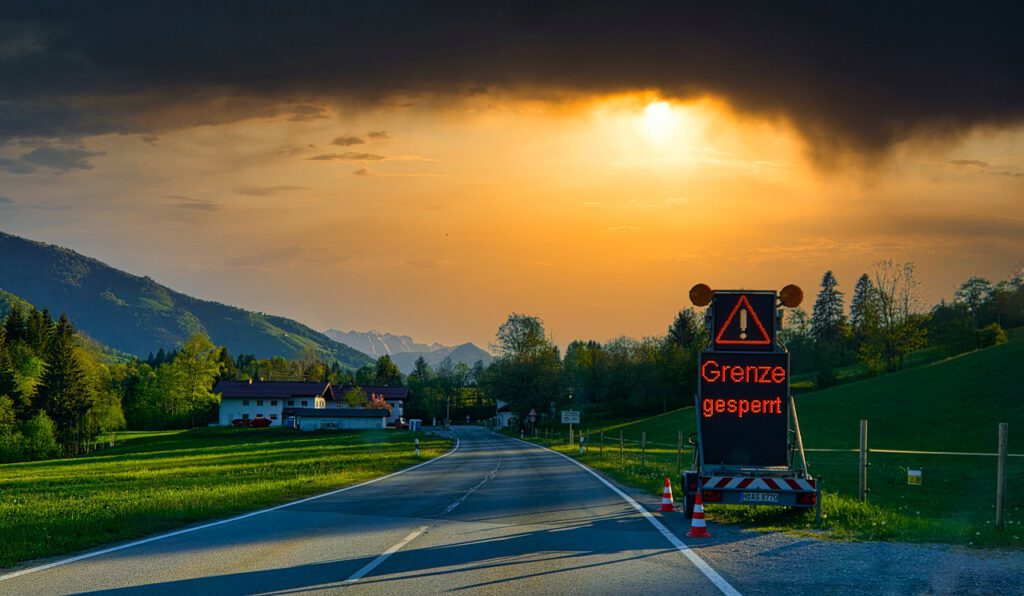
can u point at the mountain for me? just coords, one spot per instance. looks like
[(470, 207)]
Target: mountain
[(377, 344), (404, 350), (138, 316)]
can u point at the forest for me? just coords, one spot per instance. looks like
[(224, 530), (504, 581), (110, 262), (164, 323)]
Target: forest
[(62, 394)]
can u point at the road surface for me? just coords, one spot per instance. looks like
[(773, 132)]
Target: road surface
[(496, 515), (499, 516)]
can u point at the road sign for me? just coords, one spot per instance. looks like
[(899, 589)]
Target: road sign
[(743, 408), (533, 415), (743, 321), (570, 417)]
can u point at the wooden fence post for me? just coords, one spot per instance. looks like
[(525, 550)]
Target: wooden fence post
[(620, 445), (1001, 474), (862, 462), (601, 448), (643, 448)]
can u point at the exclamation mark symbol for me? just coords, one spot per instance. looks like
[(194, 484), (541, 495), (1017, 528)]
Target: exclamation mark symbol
[(743, 323)]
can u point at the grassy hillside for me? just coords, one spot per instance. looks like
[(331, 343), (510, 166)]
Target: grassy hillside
[(155, 481), (948, 405), (138, 316)]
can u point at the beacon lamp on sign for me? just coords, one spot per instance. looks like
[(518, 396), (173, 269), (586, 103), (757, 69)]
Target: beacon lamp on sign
[(700, 295), (790, 295)]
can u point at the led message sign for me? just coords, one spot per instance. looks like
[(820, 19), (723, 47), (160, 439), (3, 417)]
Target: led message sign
[(743, 321), (744, 408)]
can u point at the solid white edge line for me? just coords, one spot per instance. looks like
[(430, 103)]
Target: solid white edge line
[(694, 558), (112, 549), (384, 555)]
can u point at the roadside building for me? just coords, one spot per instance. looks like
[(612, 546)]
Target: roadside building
[(504, 416), (334, 418), (394, 396), (249, 400)]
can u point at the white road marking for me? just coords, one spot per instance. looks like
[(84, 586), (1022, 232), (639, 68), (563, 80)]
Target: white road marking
[(472, 490), (694, 558), (384, 555), (112, 549)]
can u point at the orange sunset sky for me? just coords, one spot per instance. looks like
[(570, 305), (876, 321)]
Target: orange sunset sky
[(434, 213)]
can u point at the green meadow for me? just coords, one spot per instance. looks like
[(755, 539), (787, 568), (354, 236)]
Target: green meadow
[(156, 481), (952, 405)]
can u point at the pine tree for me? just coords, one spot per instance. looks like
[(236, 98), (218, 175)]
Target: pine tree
[(14, 325), (861, 305), (827, 318), (65, 391), (421, 372), (387, 372)]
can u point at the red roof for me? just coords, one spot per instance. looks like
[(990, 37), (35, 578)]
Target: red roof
[(273, 389)]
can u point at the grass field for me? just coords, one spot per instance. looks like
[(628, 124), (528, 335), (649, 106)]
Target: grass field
[(948, 405), (155, 481)]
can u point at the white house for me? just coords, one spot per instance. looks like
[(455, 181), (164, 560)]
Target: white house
[(249, 400), (504, 416)]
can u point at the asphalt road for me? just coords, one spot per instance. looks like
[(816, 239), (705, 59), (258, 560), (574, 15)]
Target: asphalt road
[(495, 516)]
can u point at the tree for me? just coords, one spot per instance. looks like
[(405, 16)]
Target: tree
[(862, 306), (356, 397), (521, 337), (827, 318), (421, 370), (378, 402), (687, 330), (190, 377), (900, 326), (528, 371), (387, 372), (40, 437), (973, 294), (65, 392), (795, 335)]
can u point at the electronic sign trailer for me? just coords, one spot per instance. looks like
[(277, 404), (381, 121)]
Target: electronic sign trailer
[(749, 450)]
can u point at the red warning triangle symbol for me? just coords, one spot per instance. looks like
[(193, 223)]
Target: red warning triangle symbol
[(748, 330)]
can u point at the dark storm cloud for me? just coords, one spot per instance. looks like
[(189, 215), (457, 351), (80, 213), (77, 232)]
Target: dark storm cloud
[(856, 75), (61, 159), (348, 141)]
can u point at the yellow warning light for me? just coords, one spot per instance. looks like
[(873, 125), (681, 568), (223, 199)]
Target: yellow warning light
[(700, 295), (791, 296)]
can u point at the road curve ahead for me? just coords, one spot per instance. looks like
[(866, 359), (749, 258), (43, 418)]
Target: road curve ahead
[(497, 516)]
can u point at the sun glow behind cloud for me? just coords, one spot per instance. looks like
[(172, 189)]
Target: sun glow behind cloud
[(595, 213)]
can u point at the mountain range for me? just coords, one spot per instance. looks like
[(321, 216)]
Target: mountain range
[(404, 351), (139, 316)]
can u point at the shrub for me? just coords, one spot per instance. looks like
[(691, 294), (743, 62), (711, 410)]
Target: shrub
[(40, 438), (991, 335)]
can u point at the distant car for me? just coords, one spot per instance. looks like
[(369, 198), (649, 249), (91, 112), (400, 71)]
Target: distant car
[(401, 423), (240, 422), (260, 422)]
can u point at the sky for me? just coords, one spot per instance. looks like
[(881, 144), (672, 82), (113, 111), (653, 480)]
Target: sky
[(428, 168)]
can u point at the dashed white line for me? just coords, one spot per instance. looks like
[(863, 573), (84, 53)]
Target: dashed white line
[(472, 490), (384, 555)]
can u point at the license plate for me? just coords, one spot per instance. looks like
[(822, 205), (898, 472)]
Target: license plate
[(759, 497)]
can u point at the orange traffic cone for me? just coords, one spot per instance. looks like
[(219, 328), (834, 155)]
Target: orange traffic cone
[(698, 529), (666, 496)]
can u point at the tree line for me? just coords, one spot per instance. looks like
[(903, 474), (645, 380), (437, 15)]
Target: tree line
[(59, 391)]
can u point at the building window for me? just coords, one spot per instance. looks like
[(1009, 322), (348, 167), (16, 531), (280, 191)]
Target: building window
[(259, 402), (273, 402), (259, 415), (273, 416), (291, 402), (245, 402), (245, 416), (305, 403)]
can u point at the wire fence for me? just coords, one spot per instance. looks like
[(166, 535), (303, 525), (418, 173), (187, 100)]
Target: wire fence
[(945, 484)]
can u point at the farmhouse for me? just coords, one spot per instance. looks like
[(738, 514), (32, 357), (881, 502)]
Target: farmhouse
[(248, 400), (394, 396)]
